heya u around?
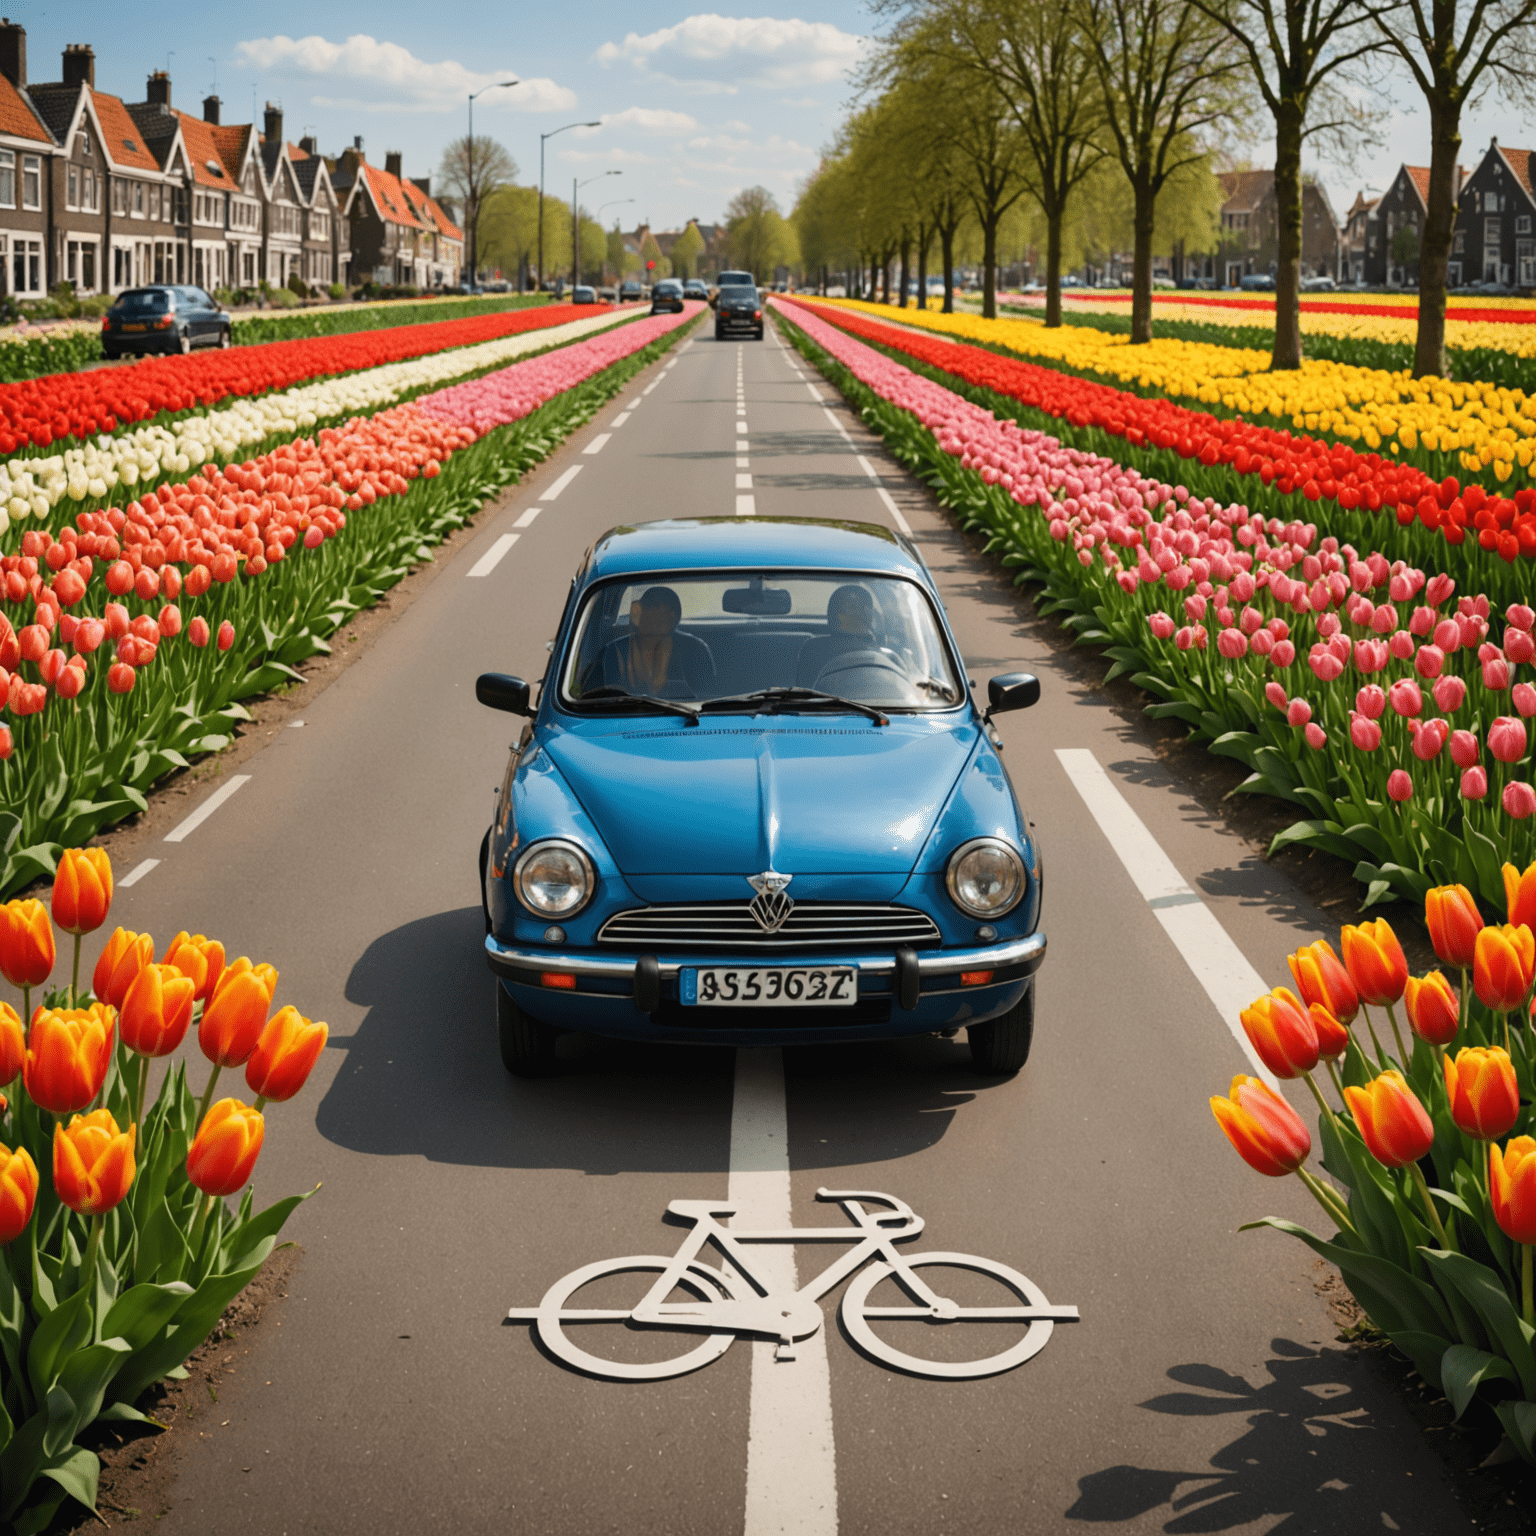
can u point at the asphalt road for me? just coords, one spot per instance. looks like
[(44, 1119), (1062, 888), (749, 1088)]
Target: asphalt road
[(1202, 1389)]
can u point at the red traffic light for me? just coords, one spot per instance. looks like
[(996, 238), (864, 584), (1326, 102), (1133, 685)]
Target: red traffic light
[(649, 265)]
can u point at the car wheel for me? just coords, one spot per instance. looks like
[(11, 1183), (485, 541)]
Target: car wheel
[(184, 343), (527, 1046), (111, 354), (485, 859), (719, 334), (757, 335), (224, 338), (1001, 1046)]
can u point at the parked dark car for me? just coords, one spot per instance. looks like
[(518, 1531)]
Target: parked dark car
[(165, 318), (667, 297), (738, 309), (695, 288), (1258, 282), (581, 294), (630, 292)]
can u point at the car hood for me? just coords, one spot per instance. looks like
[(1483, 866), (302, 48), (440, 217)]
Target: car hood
[(801, 794)]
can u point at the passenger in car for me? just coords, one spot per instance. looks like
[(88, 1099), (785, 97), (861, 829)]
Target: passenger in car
[(655, 657), (850, 627)]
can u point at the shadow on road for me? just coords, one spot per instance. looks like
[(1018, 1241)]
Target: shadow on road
[(1304, 1461), (422, 1076)]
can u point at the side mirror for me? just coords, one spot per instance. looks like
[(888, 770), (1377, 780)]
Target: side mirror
[(498, 691), (1012, 690)]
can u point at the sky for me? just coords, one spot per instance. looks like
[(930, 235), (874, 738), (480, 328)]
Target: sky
[(693, 105)]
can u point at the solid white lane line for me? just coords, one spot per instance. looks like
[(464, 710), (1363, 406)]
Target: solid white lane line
[(620, 419), (895, 511), (743, 482), (1219, 965), (526, 520), (206, 809), (138, 872), (598, 443), (836, 423), (561, 483), (864, 464), (791, 1461), (494, 555), (746, 506), (815, 393)]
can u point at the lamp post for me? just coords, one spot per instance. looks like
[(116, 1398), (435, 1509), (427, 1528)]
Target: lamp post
[(552, 132), (613, 202), (576, 186), (471, 200)]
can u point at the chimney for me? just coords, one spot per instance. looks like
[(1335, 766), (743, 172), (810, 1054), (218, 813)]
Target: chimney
[(357, 144), (211, 105), (425, 183), (392, 163), (13, 51), (158, 91), (274, 124), (310, 145), (80, 64)]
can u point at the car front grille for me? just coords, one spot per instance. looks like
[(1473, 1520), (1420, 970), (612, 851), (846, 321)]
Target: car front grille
[(810, 924)]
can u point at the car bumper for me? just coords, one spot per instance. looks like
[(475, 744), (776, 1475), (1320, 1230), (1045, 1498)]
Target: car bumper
[(738, 322), (909, 992)]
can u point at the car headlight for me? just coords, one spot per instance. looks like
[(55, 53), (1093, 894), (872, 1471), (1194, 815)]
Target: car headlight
[(985, 877), (553, 878)]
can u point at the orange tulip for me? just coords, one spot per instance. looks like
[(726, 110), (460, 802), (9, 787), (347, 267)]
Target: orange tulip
[(233, 1020), (1268, 1134), (1434, 1009), (1321, 979), (13, 1045), (1282, 1033), (1453, 920), (200, 958), (1502, 966), (82, 890), (124, 957), (1520, 894), (157, 1010), (18, 1192), (26, 943), (1391, 1120), (1512, 1185), (1484, 1096), (1375, 961), (93, 1162), (226, 1147), (68, 1053), (284, 1056), (1332, 1037)]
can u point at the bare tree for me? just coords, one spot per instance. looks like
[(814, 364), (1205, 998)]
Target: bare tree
[(1168, 73), (471, 170), (1454, 49)]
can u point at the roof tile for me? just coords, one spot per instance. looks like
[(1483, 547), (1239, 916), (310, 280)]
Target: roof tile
[(121, 138), (17, 117)]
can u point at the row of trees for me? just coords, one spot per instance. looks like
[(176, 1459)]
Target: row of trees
[(975, 108)]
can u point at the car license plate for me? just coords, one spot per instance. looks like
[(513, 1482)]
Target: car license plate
[(774, 986), (134, 327)]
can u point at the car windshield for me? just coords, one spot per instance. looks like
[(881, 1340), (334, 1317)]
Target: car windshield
[(144, 301), (868, 640)]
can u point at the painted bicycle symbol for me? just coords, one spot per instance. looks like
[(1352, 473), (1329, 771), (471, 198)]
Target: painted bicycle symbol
[(689, 1296)]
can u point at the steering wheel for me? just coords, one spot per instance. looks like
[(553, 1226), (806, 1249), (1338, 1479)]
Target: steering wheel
[(840, 676)]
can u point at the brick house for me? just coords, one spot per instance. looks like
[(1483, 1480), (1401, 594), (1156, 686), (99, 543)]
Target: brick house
[(443, 243), (1404, 206), (326, 252), (1361, 233), (1493, 238), (25, 148), (398, 233), (1249, 240)]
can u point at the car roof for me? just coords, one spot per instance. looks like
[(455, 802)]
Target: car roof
[(729, 543)]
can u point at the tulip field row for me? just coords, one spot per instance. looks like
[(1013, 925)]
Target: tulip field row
[(150, 623), (1382, 702), (1445, 428)]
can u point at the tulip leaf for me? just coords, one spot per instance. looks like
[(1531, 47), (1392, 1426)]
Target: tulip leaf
[(143, 1311), (58, 1335), (1464, 1369), (76, 1397), (1487, 1294), (264, 1225), (1519, 1421), (77, 1472)]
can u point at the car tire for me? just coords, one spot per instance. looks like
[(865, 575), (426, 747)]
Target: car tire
[(757, 335), (719, 334), (224, 339), (485, 859), (527, 1046), (184, 343), (111, 354), (1001, 1046)]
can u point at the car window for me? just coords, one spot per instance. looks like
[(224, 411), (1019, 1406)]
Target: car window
[(714, 635), (144, 301)]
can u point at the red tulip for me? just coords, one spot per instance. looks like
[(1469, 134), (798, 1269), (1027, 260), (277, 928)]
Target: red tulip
[(18, 1192), (226, 1147), (1434, 1010), (1282, 1033), (82, 889), (13, 1045), (1502, 966), (1375, 962), (93, 1164), (68, 1053), (125, 955), (1391, 1120), (26, 943), (1482, 1092), (1321, 979), (156, 1010), (1512, 1188), (1267, 1133), (289, 1046)]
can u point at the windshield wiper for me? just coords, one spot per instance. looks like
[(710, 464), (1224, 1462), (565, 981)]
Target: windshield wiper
[(608, 694), (775, 698)]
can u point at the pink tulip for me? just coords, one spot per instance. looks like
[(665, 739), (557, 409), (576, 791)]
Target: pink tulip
[(1326, 667), (1317, 737), (1364, 733), (1371, 701), (226, 636), (1399, 785), (1423, 622), (1496, 674), (1440, 587), (1232, 643), (1262, 642), (1464, 748), (1429, 737), (1161, 625), (1283, 654), (1370, 656), (1450, 694), (1474, 784), (1428, 662), (1519, 799), (1448, 635), (1276, 696), (1194, 608), (197, 631), (1520, 616), (1298, 714), (1506, 739), (1519, 646), (1401, 645), (1405, 698), (1524, 696)]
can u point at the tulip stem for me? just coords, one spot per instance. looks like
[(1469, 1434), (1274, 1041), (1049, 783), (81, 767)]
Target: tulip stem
[(74, 976), (1417, 1175), (1381, 1055), (1338, 1082), (1330, 1200), (143, 1084), (202, 1109), (1397, 1035), (1466, 1003), (92, 1248), (26, 1007), (1504, 1020), (1527, 1300), (195, 1241), (261, 1102), (1322, 1103)]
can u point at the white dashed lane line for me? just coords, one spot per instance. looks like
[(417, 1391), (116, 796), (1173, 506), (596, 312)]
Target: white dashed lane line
[(743, 482), (137, 873), (598, 443), (746, 506), (895, 511), (494, 555), (206, 809), (621, 418), (741, 426), (526, 520), (561, 483)]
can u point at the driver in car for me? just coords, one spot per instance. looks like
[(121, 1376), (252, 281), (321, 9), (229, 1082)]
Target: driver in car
[(655, 658), (850, 627)]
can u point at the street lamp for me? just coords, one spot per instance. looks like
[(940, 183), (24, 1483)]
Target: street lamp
[(471, 199), (576, 186), (552, 132), (613, 202)]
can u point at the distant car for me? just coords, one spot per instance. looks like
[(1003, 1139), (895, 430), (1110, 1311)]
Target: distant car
[(695, 288), (1071, 280), (1488, 289), (1258, 282), (667, 297), (630, 292), (1321, 283), (169, 317), (735, 280), (581, 294), (738, 308)]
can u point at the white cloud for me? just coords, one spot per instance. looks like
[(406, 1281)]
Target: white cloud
[(606, 157), (656, 121), (392, 78), (710, 53)]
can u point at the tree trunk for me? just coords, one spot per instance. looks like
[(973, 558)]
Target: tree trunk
[(1288, 127), (1053, 269), (1435, 245), (947, 245), (1141, 266), (924, 235), (885, 277), (989, 267), (906, 269)]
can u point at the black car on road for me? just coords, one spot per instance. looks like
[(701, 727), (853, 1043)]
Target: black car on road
[(630, 292), (168, 317), (667, 297), (694, 288), (738, 308)]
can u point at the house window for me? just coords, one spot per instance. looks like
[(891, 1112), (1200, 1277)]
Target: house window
[(72, 193), (31, 181), (119, 196), (249, 267), (1523, 224), (138, 197), (1461, 241), (1491, 231), (7, 178), (181, 209), (26, 266)]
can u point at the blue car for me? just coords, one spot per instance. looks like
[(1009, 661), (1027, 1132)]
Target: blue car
[(755, 805)]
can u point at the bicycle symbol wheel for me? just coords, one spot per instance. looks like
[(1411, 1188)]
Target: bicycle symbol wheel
[(1021, 1301), (622, 1335)]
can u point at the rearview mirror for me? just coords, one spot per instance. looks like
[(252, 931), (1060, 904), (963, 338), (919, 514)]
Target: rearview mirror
[(498, 691), (1012, 690), (756, 599)]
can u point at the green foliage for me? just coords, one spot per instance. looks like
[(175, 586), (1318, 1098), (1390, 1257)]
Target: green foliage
[(283, 298), (1405, 246), (297, 285), (38, 355), (758, 237), (252, 329), (337, 290), (686, 250)]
